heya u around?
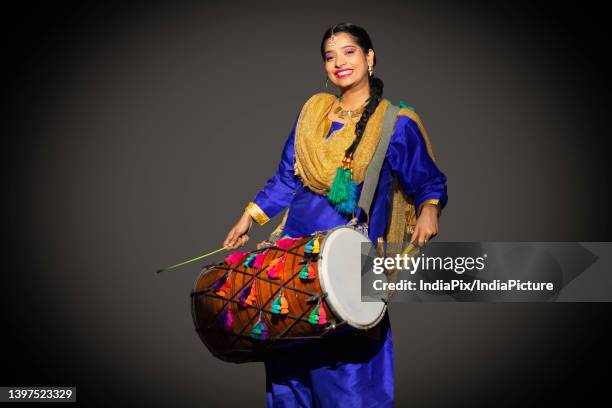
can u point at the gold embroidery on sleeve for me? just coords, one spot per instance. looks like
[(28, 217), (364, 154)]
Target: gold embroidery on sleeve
[(256, 213)]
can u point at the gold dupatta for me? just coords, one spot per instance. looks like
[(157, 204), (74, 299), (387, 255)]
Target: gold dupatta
[(317, 157)]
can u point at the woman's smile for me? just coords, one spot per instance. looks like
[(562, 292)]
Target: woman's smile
[(343, 73)]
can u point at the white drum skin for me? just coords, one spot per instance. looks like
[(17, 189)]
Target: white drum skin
[(339, 269)]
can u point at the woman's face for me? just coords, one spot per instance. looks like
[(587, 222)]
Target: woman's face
[(345, 62)]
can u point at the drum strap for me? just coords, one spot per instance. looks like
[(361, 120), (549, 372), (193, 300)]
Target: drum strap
[(373, 172)]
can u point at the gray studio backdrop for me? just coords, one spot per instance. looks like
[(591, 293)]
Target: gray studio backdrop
[(162, 126)]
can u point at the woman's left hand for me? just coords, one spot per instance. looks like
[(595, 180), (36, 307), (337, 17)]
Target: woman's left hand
[(426, 226)]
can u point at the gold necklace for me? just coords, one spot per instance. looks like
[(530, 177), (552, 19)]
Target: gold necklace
[(343, 113)]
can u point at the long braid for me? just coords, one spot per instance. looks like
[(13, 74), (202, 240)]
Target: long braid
[(376, 93), (343, 191)]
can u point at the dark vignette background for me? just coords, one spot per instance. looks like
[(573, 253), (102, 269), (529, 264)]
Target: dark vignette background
[(134, 135)]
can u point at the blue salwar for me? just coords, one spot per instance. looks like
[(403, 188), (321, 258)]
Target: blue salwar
[(346, 370), (342, 371)]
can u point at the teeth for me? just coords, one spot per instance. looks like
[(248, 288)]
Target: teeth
[(345, 72)]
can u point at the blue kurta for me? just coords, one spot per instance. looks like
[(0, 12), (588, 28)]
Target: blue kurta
[(353, 371)]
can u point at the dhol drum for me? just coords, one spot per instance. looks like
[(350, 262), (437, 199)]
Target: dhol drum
[(299, 289)]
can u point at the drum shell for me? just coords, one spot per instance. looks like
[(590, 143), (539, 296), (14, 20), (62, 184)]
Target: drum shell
[(237, 346)]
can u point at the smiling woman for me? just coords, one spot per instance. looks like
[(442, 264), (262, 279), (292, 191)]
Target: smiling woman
[(319, 180)]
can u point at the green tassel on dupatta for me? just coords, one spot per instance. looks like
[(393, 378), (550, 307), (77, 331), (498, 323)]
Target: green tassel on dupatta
[(343, 191), (340, 187)]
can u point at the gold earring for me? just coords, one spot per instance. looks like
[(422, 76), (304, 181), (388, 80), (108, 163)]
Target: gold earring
[(326, 81), (370, 70)]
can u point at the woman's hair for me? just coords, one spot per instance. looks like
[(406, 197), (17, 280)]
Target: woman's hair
[(362, 38)]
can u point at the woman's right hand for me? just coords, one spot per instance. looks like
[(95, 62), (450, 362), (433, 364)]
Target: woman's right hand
[(237, 236)]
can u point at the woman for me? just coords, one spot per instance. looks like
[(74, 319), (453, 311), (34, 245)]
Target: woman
[(333, 133)]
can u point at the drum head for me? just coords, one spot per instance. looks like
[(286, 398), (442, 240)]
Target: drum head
[(340, 278)]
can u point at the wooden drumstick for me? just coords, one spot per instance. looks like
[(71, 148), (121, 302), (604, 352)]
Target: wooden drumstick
[(192, 260), (411, 250)]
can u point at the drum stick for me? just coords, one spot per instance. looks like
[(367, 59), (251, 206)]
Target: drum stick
[(411, 249), (192, 260)]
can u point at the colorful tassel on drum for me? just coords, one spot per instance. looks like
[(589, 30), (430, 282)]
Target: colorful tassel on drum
[(308, 272), (312, 247), (280, 304), (315, 247), (227, 319), (304, 272), (318, 315), (236, 258), (322, 316), (247, 295), (250, 300), (249, 261), (260, 331), (343, 192), (277, 267), (286, 243), (258, 262), (222, 285)]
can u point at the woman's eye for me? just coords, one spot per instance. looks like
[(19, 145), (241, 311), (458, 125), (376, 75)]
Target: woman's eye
[(328, 58), (350, 52)]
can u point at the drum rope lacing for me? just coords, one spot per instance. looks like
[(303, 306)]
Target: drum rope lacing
[(313, 301)]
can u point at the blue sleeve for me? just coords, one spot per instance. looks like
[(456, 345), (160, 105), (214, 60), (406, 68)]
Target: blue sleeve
[(277, 192), (418, 175)]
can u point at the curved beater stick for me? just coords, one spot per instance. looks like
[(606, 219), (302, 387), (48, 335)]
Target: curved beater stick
[(192, 260)]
